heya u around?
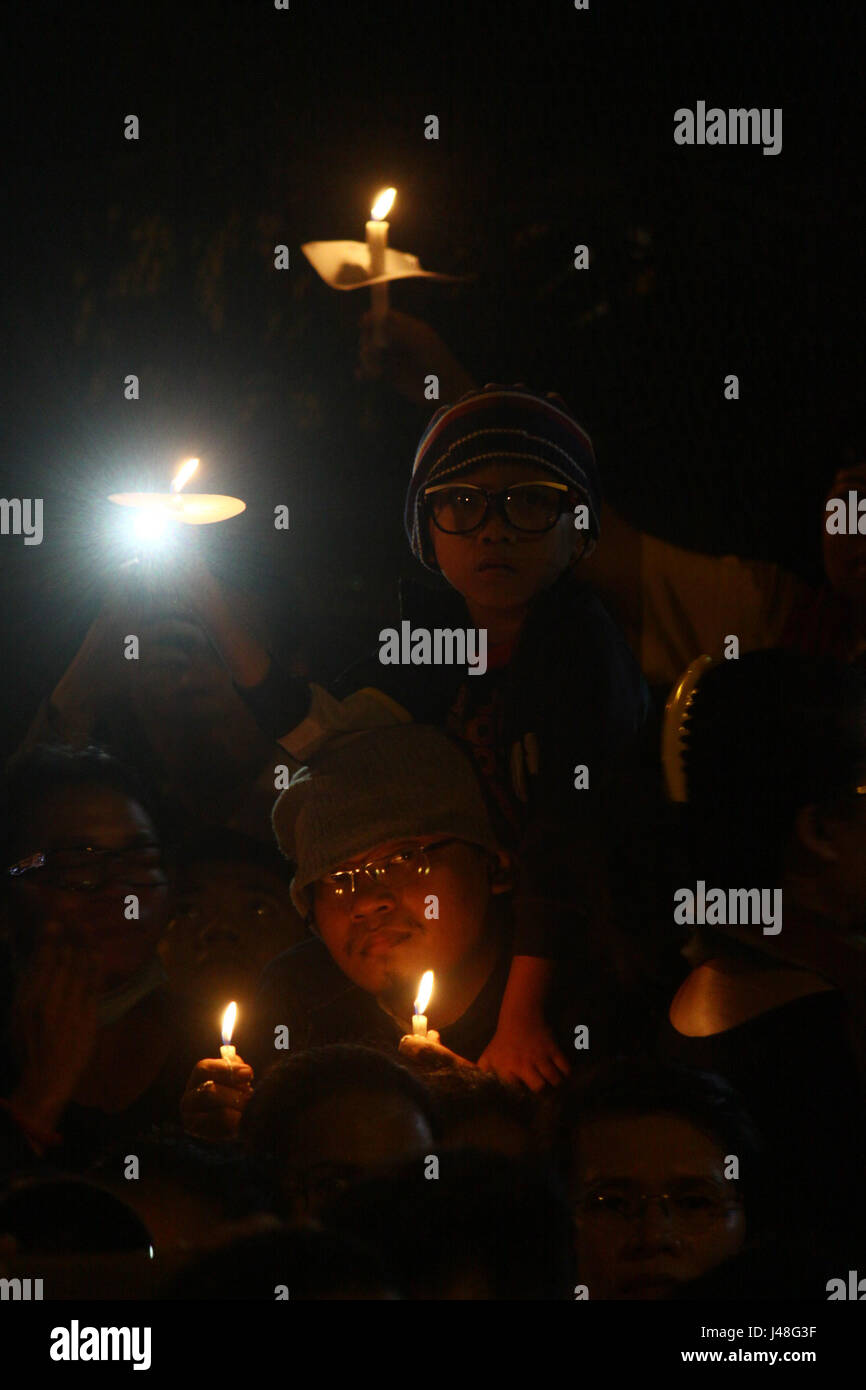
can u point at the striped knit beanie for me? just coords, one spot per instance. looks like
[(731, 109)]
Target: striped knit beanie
[(501, 422)]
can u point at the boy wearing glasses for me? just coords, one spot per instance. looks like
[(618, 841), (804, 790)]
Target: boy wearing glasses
[(504, 501)]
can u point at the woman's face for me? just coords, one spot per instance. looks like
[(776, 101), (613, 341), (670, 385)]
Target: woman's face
[(102, 867), (653, 1206)]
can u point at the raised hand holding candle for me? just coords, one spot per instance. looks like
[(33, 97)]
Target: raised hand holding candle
[(227, 1052), (419, 1018)]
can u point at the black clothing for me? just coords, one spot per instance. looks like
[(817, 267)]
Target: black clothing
[(571, 694), (796, 1072)]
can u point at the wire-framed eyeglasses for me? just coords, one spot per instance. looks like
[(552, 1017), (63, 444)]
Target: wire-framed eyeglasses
[(394, 870)]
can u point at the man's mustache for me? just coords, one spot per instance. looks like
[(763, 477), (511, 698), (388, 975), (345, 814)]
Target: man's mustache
[(363, 932)]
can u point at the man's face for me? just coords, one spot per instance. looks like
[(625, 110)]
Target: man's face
[(845, 555), (179, 674), (384, 935), (230, 919), (65, 825), (498, 566), (647, 1255), (342, 1138)]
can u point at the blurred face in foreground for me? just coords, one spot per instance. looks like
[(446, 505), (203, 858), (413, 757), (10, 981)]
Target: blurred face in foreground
[(653, 1207), (343, 1138), (421, 905)]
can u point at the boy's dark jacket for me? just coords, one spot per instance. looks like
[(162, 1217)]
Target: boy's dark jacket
[(572, 694)]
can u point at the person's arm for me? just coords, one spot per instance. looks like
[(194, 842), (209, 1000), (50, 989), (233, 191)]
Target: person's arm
[(523, 1047), (614, 569), (53, 1027), (412, 352), (247, 660), (93, 676)]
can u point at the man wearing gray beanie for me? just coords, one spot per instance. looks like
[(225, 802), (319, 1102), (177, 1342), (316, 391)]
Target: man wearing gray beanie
[(397, 872)]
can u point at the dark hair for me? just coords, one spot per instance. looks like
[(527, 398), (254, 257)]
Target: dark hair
[(229, 846), (62, 1215), (289, 1089), (221, 1175), (765, 736), (458, 1095), (503, 1221), (37, 772), (627, 1087), (311, 1264)]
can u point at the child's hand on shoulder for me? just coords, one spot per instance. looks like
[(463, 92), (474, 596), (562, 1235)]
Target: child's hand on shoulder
[(525, 1050)]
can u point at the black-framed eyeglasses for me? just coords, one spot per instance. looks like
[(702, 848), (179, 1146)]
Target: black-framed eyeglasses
[(394, 870), (458, 508), (689, 1205), (84, 868)]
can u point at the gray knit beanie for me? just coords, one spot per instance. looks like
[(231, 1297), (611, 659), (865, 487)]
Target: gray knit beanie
[(369, 788)]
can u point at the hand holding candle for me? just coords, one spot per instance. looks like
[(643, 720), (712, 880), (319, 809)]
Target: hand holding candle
[(218, 1091), (423, 1044)]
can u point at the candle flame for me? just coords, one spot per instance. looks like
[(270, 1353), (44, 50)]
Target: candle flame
[(383, 204), (229, 1018), (425, 989), (183, 474)]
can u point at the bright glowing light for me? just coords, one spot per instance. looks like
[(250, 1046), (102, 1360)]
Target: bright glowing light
[(425, 989), (229, 1018), (183, 475), (192, 508), (150, 527), (383, 204)]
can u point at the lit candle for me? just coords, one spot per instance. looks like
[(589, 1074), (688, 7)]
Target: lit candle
[(377, 241), (419, 1018), (227, 1052), (156, 509)]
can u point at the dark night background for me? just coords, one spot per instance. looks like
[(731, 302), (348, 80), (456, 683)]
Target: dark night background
[(556, 127)]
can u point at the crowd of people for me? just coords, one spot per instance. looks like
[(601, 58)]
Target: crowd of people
[(614, 1098)]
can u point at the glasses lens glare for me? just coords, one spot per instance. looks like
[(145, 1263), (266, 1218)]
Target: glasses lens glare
[(457, 509), (533, 507)]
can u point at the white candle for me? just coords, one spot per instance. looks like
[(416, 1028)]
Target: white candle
[(419, 1018), (227, 1052), (154, 509), (377, 241)]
